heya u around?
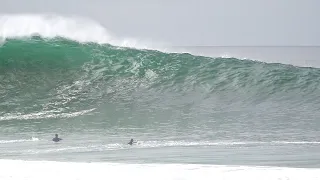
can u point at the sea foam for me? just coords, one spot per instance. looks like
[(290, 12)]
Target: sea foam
[(80, 29), (39, 170)]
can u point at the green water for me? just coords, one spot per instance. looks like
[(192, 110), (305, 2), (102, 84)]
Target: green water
[(179, 107)]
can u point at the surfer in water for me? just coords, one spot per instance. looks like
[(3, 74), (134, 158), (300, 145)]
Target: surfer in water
[(56, 139), (132, 142)]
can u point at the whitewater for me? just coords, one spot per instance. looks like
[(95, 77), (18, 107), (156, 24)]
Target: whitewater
[(195, 112)]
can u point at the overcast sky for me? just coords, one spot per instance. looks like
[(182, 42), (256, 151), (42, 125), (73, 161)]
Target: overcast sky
[(191, 22)]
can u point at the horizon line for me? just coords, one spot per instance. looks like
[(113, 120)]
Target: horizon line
[(246, 46)]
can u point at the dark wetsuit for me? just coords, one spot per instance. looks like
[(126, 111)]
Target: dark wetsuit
[(56, 139), (131, 142)]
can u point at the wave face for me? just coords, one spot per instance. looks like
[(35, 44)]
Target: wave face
[(99, 92), (63, 76)]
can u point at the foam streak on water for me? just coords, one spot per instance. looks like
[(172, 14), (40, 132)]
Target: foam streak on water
[(18, 140), (43, 115), (37, 170)]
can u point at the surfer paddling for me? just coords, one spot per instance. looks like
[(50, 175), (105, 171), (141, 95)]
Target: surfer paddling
[(56, 139), (132, 142)]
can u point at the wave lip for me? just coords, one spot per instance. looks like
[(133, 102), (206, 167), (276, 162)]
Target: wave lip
[(52, 26), (74, 28), (85, 171)]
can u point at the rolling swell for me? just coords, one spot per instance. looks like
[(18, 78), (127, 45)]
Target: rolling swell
[(52, 77)]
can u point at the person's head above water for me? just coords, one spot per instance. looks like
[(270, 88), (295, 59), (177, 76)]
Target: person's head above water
[(56, 135)]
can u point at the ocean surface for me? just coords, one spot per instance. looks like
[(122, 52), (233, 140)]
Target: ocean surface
[(195, 112)]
